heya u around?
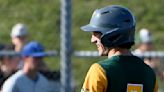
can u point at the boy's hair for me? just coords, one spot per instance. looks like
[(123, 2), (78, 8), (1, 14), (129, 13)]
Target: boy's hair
[(126, 45)]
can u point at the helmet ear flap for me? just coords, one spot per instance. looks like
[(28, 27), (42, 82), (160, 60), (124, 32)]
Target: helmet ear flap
[(110, 40), (105, 40)]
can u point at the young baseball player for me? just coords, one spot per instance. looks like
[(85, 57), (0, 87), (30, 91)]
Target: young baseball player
[(113, 30)]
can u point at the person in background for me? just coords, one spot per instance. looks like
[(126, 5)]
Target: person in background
[(146, 44), (8, 63), (19, 37), (29, 79)]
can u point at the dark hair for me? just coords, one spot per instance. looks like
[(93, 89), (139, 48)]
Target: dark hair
[(126, 45)]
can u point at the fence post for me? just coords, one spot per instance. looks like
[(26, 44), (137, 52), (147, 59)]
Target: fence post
[(66, 44)]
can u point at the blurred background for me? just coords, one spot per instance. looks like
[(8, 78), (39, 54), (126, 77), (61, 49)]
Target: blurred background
[(43, 20)]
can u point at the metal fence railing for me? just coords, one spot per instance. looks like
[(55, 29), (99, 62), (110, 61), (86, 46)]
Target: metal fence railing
[(54, 53), (159, 54)]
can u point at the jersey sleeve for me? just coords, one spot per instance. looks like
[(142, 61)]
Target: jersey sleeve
[(9, 86), (156, 87), (95, 80)]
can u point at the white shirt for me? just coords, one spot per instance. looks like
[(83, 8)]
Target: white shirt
[(19, 82)]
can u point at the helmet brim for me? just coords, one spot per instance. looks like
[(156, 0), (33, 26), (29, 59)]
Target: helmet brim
[(91, 28)]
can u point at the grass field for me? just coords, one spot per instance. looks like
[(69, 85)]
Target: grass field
[(43, 20)]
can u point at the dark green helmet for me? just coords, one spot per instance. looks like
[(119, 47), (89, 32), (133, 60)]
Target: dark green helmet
[(116, 23)]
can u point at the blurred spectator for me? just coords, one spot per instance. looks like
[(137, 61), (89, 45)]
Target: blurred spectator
[(20, 36), (8, 63), (145, 44), (29, 79)]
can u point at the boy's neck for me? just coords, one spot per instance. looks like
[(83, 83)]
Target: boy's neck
[(118, 51)]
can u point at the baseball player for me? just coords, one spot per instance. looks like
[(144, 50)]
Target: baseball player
[(113, 29), (29, 79)]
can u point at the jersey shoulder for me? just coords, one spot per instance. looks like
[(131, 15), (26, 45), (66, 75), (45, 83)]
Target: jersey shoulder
[(108, 62), (11, 83), (15, 77)]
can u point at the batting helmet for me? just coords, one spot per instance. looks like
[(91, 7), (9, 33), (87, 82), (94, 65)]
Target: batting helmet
[(116, 23)]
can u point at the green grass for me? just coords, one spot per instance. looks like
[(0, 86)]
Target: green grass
[(43, 20)]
